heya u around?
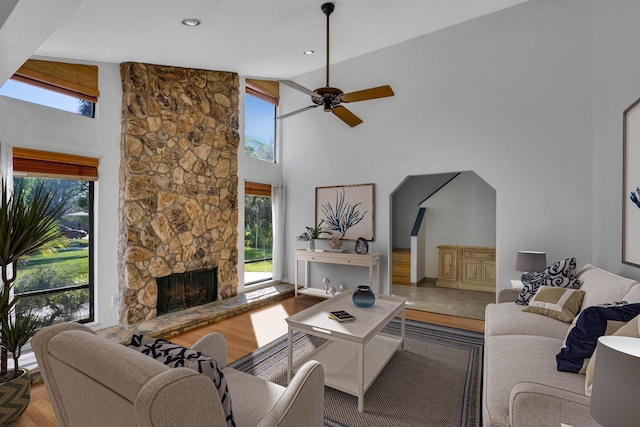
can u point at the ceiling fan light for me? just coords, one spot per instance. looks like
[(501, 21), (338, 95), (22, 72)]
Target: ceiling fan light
[(327, 105)]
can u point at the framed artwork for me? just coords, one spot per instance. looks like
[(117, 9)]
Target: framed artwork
[(347, 211), (631, 186)]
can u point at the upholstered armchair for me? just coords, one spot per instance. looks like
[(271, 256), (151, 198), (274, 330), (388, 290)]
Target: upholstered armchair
[(94, 381)]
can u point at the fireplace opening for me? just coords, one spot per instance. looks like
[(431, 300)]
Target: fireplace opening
[(180, 291)]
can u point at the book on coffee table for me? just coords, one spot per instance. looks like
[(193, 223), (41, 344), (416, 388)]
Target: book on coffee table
[(341, 316)]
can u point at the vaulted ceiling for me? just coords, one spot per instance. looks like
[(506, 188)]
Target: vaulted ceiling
[(260, 38)]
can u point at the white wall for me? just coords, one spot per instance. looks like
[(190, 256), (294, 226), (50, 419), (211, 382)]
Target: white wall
[(461, 213), (616, 85), (406, 201), (418, 253), (27, 125), (507, 95)]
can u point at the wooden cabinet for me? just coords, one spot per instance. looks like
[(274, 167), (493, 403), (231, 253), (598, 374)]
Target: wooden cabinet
[(401, 267), (467, 267), (448, 265)]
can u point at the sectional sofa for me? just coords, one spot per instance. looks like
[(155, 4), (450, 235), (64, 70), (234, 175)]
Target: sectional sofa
[(521, 382)]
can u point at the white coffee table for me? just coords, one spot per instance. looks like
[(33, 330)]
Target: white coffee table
[(356, 352)]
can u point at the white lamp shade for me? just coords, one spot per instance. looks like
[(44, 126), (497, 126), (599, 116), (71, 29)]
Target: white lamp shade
[(531, 261), (615, 396)]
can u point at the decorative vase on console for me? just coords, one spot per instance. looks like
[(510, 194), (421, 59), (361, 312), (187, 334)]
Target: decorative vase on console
[(363, 297)]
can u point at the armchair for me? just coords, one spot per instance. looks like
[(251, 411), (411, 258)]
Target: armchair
[(94, 381)]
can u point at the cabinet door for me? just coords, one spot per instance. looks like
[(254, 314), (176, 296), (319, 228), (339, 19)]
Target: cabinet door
[(448, 264), (471, 271), (489, 272)]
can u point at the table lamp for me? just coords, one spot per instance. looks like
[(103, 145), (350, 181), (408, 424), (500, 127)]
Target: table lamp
[(615, 396), (531, 261)]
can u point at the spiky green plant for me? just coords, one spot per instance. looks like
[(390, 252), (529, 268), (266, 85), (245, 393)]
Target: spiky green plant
[(28, 223), (312, 233)]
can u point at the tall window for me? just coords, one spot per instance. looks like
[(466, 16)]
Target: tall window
[(260, 124), (58, 286), (67, 87), (258, 235)]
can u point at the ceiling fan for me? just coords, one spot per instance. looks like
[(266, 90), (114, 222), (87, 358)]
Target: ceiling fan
[(330, 97)]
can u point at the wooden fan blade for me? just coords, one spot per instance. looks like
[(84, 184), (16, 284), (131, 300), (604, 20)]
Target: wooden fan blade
[(301, 88), (363, 95), (284, 116), (346, 116)]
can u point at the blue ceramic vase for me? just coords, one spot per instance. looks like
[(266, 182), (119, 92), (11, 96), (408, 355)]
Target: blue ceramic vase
[(363, 297)]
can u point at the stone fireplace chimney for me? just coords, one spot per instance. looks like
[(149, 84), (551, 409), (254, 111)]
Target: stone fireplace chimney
[(178, 181)]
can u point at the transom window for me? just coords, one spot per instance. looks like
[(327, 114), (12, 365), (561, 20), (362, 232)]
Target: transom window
[(67, 87), (261, 102)]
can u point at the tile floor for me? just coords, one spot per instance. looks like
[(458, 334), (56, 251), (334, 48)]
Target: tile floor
[(455, 302)]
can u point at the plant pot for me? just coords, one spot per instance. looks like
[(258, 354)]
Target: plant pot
[(14, 397), (312, 244)]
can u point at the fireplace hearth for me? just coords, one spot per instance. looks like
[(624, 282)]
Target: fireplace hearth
[(180, 291)]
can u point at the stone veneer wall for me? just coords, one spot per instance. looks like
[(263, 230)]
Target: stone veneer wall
[(178, 180)]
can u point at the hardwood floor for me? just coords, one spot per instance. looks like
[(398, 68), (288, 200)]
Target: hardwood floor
[(244, 333)]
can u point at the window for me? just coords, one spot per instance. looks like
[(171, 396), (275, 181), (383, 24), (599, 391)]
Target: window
[(260, 124), (67, 87), (59, 286), (36, 95), (258, 235)]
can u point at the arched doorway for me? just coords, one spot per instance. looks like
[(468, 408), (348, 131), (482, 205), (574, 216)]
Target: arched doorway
[(457, 210)]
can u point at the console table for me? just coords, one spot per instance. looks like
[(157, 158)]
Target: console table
[(343, 258)]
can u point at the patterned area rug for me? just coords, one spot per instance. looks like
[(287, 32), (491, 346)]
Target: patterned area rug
[(435, 381)]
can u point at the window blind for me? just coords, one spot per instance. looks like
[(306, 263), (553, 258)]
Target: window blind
[(266, 90), (45, 164), (257, 189), (77, 80)]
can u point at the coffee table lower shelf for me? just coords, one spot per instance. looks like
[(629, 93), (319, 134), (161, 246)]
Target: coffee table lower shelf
[(339, 360)]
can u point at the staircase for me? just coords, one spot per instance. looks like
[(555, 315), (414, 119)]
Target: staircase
[(401, 266)]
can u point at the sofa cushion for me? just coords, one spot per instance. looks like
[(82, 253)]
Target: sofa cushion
[(631, 329), (174, 356), (560, 274), (601, 286), (593, 322), (507, 318), (512, 359), (558, 303)]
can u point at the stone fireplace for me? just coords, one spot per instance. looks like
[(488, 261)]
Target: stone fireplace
[(178, 181)]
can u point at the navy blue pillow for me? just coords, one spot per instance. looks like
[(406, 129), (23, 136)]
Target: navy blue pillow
[(589, 326)]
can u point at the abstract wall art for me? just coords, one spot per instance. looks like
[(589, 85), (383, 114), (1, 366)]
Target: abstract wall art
[(347, 211)]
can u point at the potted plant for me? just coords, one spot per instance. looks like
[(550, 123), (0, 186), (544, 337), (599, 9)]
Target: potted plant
[(28, 223), (312, 234)]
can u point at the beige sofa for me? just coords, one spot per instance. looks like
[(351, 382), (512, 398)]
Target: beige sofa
[(93, 381), (521, 384)]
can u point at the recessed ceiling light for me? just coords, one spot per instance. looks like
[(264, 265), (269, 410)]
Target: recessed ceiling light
[(191, 22), (309, 52)]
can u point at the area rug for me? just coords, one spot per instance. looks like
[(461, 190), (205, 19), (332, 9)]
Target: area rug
[(435, 381)]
